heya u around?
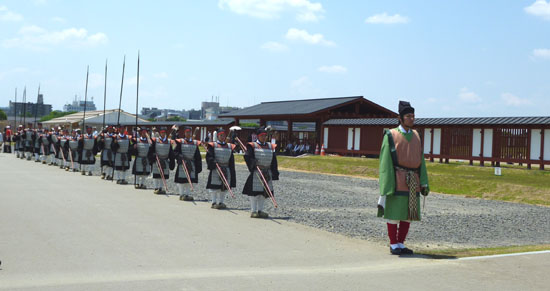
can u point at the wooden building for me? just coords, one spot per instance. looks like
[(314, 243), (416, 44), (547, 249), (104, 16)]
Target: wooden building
[(310, 110), (524, 140)]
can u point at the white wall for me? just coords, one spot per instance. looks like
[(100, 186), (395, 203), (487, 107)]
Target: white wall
[(427, 140), (488, 143), (547, 144), (535, 144), (437, 141), (350, 138), (325, 137), (476, 143), (357, 145)]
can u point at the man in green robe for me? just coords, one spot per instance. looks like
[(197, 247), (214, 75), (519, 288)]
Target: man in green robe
[(403, 177)]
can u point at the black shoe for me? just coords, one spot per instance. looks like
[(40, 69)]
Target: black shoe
[(214, 205), (396, 251), (118, 181), (222, 206), (262, 214), (406, 251), (124, 182), (187, 198)]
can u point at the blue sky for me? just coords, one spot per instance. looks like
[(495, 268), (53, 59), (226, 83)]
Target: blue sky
[(448, 58)]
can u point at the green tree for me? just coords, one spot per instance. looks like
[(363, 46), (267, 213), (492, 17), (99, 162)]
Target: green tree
[(175, 118), (55, 114), (3, 115)]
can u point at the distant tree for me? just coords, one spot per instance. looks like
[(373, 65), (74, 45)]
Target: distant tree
[(3, 115), (249, 124), (176, 118), (55, 114)]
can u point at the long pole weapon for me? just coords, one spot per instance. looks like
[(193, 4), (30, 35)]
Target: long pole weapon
[(84, 116), (104, 97), (36, 105), (24, 107), (104, 105), (137, 99), (119, 104), (15, 122), (261, 176)]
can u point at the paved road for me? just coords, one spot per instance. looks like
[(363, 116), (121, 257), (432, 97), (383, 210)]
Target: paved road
[(64, 231)]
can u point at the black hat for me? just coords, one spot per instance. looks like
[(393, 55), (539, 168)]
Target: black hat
[(162, 128), (405, 108), (187, 128), (220, 130), (261, 130)]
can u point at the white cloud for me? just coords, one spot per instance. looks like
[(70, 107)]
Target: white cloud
[(512, 100), (540, 8), (333, 69), (37, 38), (305, 10), (384, 18), (161, 75), (541, 53), (468, 96), (302, 35), (58, 19), (274, 46), (8, 15)]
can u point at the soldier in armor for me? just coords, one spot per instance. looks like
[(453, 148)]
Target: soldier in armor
[(187, 153), (36, 142), (161, 153), (122, 158), (72, 148), (260, 154), (28, 137), (87, 147), (18, 141), (63, 150), (220, 154), (141, 167), (105, 139), (56, 155), (44, 146)]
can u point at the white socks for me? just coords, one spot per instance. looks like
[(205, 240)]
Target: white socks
[(184, 189), (257, 203), (253, 204), (217, 195)]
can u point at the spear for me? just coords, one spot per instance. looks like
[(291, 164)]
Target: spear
[(119, 105), (104, 104), (137, 99), (36, 105), (104, 96), (15, 110), (24, 106), (85, 99), (84, 116), (15, 120)]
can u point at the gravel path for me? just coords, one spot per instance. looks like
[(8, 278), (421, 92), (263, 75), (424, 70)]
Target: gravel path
[(347, 205)]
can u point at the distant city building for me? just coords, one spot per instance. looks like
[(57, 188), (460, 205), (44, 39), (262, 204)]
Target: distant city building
[(39, 109), (78, 105)]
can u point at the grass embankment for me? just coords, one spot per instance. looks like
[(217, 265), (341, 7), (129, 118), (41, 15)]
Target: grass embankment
[(515, 184), (463, 253)]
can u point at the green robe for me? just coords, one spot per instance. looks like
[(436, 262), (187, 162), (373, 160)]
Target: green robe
[(397, 206)]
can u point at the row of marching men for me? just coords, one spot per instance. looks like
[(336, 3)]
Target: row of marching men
[(158, 156)]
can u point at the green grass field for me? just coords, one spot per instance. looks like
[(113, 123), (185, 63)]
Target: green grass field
[(516, 184)]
